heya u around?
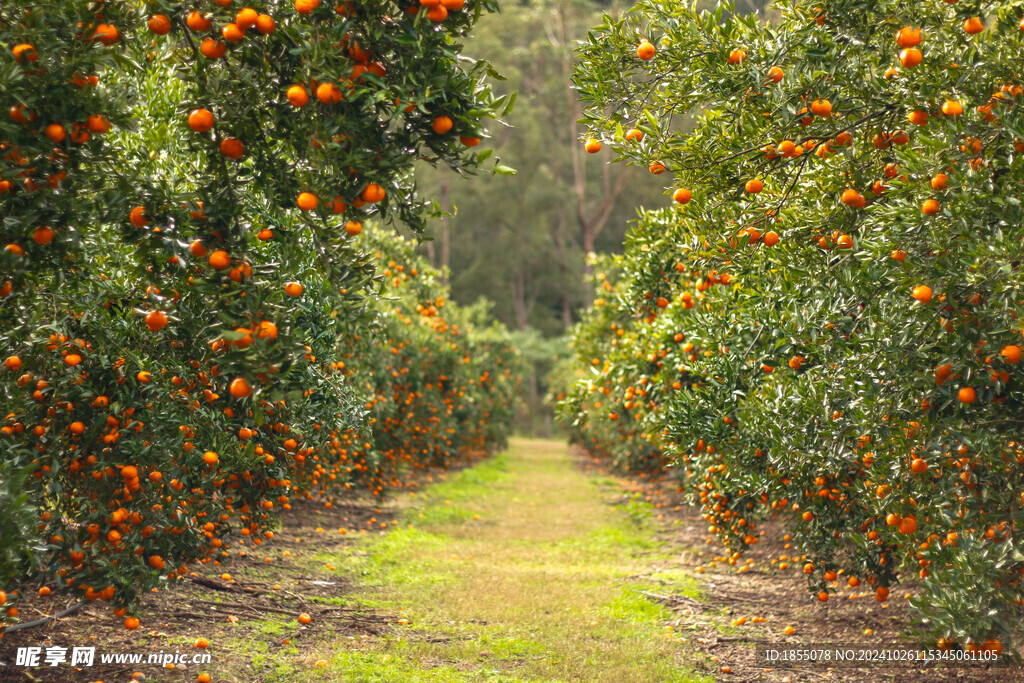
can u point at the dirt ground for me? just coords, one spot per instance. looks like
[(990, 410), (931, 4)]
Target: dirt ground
[(851, 619)]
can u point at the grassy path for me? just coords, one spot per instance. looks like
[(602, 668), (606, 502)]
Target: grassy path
[(514, 570)]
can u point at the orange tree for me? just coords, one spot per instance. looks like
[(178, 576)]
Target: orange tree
[(184, 278), (825, 324)]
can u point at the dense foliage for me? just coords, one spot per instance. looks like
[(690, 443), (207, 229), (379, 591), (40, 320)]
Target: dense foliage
[(825, 326), (195, 327)]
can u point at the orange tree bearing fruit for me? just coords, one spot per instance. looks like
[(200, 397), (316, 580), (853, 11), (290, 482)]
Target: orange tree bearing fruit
[(95, 388), (842, 299)]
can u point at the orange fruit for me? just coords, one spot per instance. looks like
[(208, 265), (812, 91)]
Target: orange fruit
[(265, 24), (203, 678), (592, 145), (131, 623), (267, 330), (881, 594), (97, 123), (634, 135), (328, 93), (156, 321), (754, 186), (930, 207), (821, 108), (210, 458), (918, 466), (220, 260), (973, 25), (1011, 354), (304, 618), (160, 24), (200, 120), (232, 148), (940, 181), (232, 33), (952, 108), (307, 201), (908, 37), (26, 52), (469, 140), (13, 363), (197, 22), (373, 193), (293, 289), (72, 359), (736, 56), (682, 195), (645, 50), (239, 388), (442, 124), (55, 132), (202, 643), (770, 239), (852, 198), (967, 395), (76, 427), (246, 18), (910, 57), (297, 96), (197, 248), (213, 49), (43, 235), (438, 13), (137, 217), (306, 6), (144, 376), (353, 228), (922, 293), (918, 117), (775, 74)]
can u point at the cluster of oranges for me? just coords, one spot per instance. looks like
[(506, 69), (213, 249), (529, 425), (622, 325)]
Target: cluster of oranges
[(191, 310)]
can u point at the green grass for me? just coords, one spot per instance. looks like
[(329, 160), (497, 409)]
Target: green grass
[(513, 570)]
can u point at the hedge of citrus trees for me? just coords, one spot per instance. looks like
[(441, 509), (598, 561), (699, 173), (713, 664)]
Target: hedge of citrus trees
[(824, 323), (195, 327)]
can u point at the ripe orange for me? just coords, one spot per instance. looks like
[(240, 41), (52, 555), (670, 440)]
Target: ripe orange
[(213, 49), (297, 95), (267, 330), (210, 458), (373, 193), (908, 525), (438, 13), (306, 6), (908, 37), (76, 427), (156, 321), (265, 24), (202, 643), (442, 124), (682, 195), (918, 117), (930, 207), (13, 363), (1011, 354), (967, 395), (197, 22), (220, 260), (910, 57), (97, 123), (197, 248), (56, 132), (922, 293), (353, 228), (634, 135), (469, 140), (137, 217), (592, 145), (43, 235), (736, 56), (293, 289), (200, 120), (821, 108), (307, 201), (973, 25), (328, 93), (940, 181), (232, 33), (645, 50), (754, 186), (770, 239), (131, 623), (918, 466), (160, 24), (232, 148), (823, 596), (952, 108), (72, 359), (246, 18), (881, 594), (144, 376), (453, 5), (239, 388), (203, 678), (304, 618), (26, 52), (852, 198), (775, 74)]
